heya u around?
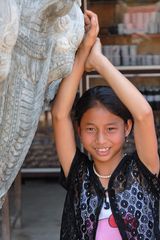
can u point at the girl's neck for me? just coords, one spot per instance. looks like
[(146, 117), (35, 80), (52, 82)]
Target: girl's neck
[(104, 169), (104, 183)]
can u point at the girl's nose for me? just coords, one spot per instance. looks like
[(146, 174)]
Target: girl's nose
[(101, 138)]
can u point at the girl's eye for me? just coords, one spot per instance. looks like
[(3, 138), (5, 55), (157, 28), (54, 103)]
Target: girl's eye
[(111, 129), (91, 130)]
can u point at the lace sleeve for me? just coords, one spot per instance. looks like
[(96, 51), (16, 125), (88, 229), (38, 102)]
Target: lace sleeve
[(152, 179)]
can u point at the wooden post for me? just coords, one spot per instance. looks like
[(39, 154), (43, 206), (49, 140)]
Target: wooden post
[(18, 201), (84, 5), (6, 235)]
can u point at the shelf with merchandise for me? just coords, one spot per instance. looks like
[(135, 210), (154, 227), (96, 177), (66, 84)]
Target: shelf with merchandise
[(121, 18), (129, 31), (131, 55)]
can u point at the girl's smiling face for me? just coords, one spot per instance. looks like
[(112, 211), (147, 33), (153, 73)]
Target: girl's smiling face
[(103, 133)]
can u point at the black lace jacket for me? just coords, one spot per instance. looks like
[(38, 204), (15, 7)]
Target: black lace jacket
[(134, 194)]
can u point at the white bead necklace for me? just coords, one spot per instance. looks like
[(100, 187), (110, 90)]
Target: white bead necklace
[(100, 176)]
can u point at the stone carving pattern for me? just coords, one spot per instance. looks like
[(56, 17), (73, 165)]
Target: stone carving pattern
[(43, 36)]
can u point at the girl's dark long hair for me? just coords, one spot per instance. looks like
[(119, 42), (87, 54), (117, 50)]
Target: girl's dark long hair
[(101, 95)]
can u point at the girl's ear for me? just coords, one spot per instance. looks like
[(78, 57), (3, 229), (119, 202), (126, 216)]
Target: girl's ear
[(128, 127)]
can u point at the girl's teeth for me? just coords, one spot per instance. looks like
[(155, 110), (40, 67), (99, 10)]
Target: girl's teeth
[(102, 149)]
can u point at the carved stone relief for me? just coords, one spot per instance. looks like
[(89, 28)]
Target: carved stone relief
[(42, 38)]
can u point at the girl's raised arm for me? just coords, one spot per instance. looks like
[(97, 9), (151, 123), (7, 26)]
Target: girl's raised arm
[(144, 128), (61, 120)]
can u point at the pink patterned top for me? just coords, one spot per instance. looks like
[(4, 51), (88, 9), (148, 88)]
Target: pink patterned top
[(107, 228)]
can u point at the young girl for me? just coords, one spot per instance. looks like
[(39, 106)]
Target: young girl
[(113, 195)]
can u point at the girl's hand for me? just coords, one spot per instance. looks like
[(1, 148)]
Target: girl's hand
[(92, 59), (91, 30)]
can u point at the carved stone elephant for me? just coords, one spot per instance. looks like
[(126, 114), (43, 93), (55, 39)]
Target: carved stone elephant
[(38, 41)]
